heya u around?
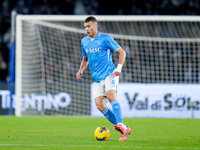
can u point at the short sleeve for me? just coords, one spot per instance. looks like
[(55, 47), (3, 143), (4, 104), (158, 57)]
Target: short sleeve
[(83, 50), (112, 43)]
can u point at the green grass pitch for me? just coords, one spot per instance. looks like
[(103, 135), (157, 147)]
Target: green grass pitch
[(74, 133)]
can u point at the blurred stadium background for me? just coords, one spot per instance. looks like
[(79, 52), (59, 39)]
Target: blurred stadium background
[(84, 7), (185, 73)]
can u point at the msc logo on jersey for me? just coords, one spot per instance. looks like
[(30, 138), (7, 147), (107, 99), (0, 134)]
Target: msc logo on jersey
[(93, 50)]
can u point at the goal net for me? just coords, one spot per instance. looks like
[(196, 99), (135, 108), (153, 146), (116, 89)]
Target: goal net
[(48, 55)]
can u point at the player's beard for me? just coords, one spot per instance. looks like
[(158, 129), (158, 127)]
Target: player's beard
[(91, 34)]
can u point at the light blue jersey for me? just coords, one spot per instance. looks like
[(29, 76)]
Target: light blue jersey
[(99, 54)]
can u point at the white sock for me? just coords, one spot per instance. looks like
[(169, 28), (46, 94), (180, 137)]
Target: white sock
[(124, 126)]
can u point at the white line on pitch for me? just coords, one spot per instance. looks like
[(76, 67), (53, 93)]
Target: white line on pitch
[(120, 147)]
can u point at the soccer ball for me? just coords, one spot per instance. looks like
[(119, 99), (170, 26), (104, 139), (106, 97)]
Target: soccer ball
[(102, 133)]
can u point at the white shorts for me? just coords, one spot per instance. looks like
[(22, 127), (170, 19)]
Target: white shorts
[(108, 83)]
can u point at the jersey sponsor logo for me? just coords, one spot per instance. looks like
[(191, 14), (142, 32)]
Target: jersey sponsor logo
[(93, 50), (86, 50)]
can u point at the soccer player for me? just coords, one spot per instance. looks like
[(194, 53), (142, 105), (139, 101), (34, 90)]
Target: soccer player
[(97, 51)]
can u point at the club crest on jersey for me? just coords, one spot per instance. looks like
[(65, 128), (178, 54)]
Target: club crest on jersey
[(99, 43)]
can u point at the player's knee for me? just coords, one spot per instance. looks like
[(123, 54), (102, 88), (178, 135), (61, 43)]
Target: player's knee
[(100, 104), (111, 97), (100, 107)]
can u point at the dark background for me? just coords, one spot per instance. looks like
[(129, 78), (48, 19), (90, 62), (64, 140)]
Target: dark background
[(83, 7)]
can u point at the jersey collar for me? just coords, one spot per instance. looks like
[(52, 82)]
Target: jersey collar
[(98, 35)]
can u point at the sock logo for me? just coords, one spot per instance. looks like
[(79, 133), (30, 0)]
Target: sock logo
[(116, 107)]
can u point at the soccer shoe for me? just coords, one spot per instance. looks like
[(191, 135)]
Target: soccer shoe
[(126, 133), (119, 128)]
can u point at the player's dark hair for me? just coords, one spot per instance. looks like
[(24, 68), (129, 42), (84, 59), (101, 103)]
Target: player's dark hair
[(90, 18)]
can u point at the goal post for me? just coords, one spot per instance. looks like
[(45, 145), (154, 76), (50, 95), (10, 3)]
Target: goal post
[(160, 49)]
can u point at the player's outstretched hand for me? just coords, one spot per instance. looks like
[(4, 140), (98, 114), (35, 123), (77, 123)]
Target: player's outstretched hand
[(115, 73), (79, 74)]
